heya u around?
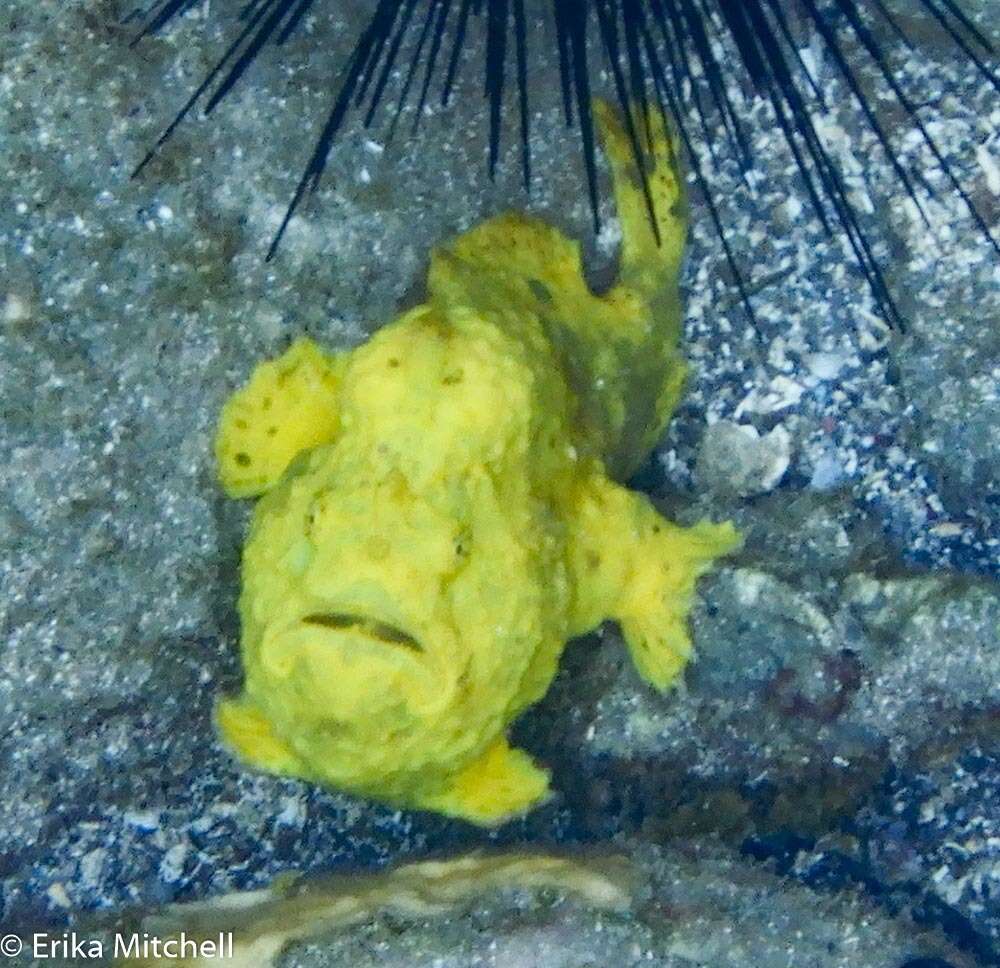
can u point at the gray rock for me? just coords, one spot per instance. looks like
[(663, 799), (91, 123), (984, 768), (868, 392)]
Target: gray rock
[(760, 710), (949, 367), (936, 656), (701, 906), (677, 908), (800, 692), (736, 460), (803, 537)]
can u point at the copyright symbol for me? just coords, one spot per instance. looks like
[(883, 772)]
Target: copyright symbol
[(10, 945)]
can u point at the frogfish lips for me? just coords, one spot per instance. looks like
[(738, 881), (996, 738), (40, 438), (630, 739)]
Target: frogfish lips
[(351, 665), (362, 626)]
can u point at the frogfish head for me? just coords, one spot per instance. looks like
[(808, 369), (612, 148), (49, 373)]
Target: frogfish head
[(387, 631)]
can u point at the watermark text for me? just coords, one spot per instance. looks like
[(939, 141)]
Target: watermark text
[(137, 945)]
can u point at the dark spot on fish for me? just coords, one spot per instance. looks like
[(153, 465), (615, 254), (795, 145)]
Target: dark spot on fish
[(333, 729), (393, 362), (452, 378), (243, 459), (539, 290)]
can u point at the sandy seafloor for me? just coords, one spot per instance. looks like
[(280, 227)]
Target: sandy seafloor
[(824, 791)]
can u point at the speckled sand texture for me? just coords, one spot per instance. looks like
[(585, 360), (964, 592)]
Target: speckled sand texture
[(840, 723)]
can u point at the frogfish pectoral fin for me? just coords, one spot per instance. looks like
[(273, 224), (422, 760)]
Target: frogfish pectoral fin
[(500, 784), (288, 406), (634, 566), (251, 737)]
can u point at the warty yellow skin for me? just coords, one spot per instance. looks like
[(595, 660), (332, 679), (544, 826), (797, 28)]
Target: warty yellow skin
[(439, 510)]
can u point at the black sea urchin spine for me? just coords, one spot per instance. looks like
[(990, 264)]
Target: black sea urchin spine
[(664, 51)]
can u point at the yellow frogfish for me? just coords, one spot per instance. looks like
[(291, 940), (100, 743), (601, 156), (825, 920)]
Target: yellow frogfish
[(443, 507)]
